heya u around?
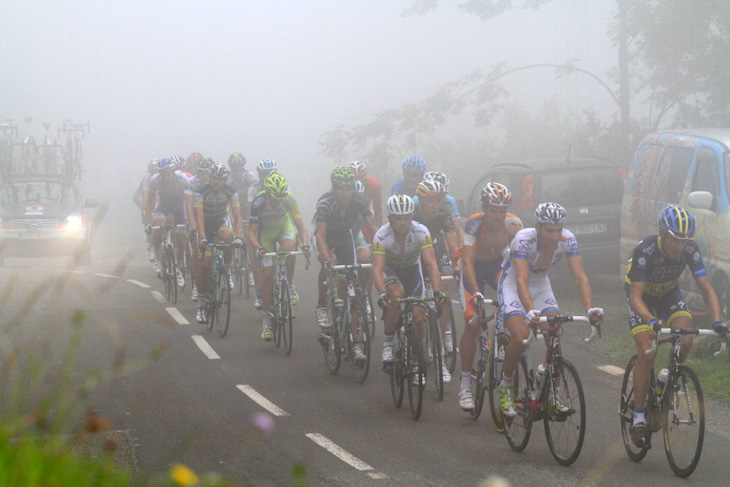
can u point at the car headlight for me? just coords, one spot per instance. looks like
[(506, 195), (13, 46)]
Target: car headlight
[(73, 222)]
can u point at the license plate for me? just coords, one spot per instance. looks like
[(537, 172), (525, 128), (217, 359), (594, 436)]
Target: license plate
[(589, 228), (34, 236)]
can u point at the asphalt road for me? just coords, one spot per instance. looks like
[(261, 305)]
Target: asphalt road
[(184, 395)]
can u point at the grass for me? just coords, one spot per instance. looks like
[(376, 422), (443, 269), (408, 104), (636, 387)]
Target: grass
[(617, 344)]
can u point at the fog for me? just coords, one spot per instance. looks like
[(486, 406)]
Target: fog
[(265, 78)]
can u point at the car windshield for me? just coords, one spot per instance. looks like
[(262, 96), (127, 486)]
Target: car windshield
[(36, 192), (586, 186)]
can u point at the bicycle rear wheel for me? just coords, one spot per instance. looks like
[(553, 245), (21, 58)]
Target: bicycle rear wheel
[(397, 370), (370, 316), (246, 269), (237, 269), (212, 298), (450, 356), (169, 273), (683, 413), (494, 377), (626, 413), (479, 384), (565, 430), (275, 311), (223, 318), (331, 341), (361, 370), (436, 353), (286, 318), (517, 430), (415, 375)]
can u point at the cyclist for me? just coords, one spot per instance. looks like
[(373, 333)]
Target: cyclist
[(241, 179), (263, 169), (212, 202), (524, 285), (179, 162), (654, 298), (275, 217), (430, 213), (486, 239), (449, 203), (140, 199), (338, 222), (191, 163), (400, 248), (196, 182), (170, 187), (414, 167), (373, 190)]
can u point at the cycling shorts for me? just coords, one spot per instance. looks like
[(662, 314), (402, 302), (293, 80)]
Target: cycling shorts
[(268, 237), (666, 307), (178, 212), (540, 290), (411, 278), (213, 228)]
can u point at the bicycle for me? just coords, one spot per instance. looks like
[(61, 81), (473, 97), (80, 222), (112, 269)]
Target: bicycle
[(339, 341), (487, 372), (409, 361), (445, 266), (241, 269), (169, 259), (281, 306), (433, 344), (219, 291), (73, 154), (677, 409), (554, 396)]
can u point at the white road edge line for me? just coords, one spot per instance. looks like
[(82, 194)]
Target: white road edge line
[(177, 316), (611, 369), (105, 275), (261, 400), (343, 455), (205, 348), (137, 283), (158, 296)]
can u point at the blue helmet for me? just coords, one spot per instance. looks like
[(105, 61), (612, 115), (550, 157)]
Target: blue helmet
[(678, 222), (265, 166), (165, 165), (414, 164)]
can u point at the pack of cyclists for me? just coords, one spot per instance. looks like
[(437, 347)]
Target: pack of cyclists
[(421, 236)]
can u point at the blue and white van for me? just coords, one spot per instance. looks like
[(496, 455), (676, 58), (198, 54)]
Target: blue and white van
[(690, 168)]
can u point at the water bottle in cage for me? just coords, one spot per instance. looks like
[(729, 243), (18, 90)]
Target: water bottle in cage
[(339, 307)]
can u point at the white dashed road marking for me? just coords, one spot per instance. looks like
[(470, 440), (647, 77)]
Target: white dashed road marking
[(177, 316), (205, 348), (105, 275), (158, 296), (137, 283), (262, 401), (343, 455), (611, 369)]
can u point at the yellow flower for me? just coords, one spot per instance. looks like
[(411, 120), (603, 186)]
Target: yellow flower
[(183, 476)]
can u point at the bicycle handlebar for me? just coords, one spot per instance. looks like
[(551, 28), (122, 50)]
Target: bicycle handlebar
[(480, 312), (344, 267), (411, 299), (284, 253), (559, 320), (686, 331)]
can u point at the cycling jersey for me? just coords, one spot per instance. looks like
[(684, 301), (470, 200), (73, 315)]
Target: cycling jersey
[(399, 187), (255, 188), (171, 196), (525, 246), (449, 206), (372, 188), (342, 224), (403, 265), (267, 215), (442, 222), (215, 203), (243, 183)]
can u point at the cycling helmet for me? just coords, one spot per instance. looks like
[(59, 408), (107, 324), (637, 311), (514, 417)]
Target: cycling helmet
[(236, 161), (678, 222), (550, 213), (360, 169), (219, 171), (265, 166), (179, 161), (275, 185), (437, 176), (152, 165), (429, 187), (359, 187), (204, 164), (401, 204), (165, 165), (497, 194), (414, 164), (195, 157), (342, 176)]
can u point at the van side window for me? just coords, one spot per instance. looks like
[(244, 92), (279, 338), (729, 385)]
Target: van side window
[(672, 173), (706, 174)]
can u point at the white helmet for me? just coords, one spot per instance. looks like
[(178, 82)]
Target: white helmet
[(401, 204)]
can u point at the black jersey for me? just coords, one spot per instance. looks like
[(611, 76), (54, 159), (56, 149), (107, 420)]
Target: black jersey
[(342, 222), (661, 274), (442, 222)]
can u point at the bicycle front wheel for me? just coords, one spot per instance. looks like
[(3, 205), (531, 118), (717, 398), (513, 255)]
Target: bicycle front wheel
[(494, 377), (518, 429), (330, 340), (436, 354), (479, 383), (360, 370), (237, 269), (168, 273), (223, 317), (450, 355), (415, 376), (626, 414), (398, 369), (286, 318), (683, 413), (565, 415)]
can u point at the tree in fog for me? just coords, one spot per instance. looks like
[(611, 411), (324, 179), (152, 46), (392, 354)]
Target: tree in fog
[(671, 69)]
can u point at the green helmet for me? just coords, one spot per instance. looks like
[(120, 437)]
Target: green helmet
[(275, 185), (236, 161), (343, 176), (205, 164)]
